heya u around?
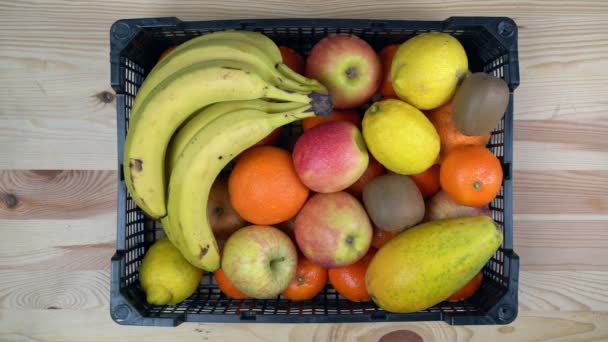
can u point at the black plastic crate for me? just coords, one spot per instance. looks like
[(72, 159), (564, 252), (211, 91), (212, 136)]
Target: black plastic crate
[(136, 44)]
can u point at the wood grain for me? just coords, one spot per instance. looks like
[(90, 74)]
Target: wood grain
[(71, 194), (95, 325), (559, 192), (562, 244), (59, 225), (58, 245), (55, 106), (82, 290), (56, 193)]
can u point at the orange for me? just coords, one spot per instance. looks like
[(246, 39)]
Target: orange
[(374, 169), (166, 52), (349, 280), (226, 286), (310, 279), (449, 135), (386, 58), (264, 187), (293, 59), (345, 115), (471, 175), (427, 181), (381, 237), (468, 290)]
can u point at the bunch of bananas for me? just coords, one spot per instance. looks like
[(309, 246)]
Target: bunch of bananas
[(204, 103)]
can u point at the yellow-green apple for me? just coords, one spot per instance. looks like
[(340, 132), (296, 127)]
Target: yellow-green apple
[(224, 220), (331, 156), (348, 66), (441, 206), (333, 230), (260, 261)]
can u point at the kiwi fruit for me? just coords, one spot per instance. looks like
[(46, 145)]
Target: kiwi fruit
[(479, 103), (393, 202)]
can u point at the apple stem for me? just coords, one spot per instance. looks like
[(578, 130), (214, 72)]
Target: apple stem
[(351, 73)]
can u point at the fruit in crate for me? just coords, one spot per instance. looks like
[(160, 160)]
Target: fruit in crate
[(349, 280), (471, 175), (209, 151), (374, 169), (217, 67), (427, 69), (308, 281), (270, 139), (441, 206), (264, 187), (293, 59), (226, 286), (381, 237), (427, 181), (400, 137), (165, 276), (260, 261), (350, 115), (450, 136), (467, 290), (223, 219), (386, 58), (330, 157), (393, 202), (333, 229), (349, 68), (206, 115), (479, 103), (435, 260)]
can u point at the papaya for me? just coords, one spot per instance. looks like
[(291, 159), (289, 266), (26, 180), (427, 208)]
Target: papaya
[(425, 264)]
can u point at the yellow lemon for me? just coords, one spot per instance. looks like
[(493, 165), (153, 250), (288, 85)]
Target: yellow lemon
[(427, 69), (400, 137), (166, 276)]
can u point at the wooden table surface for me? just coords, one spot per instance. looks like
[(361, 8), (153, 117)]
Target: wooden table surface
[(58, 169)]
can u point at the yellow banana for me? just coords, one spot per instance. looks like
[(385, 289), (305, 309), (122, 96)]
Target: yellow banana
[(210, 113), (169, 105), (207, 153), (216, 49), (261, 41)]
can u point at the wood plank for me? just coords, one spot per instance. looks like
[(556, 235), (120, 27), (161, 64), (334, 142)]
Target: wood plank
[(82, 290), (56, 108), (59, 245), (560, 144), (73, 194), (560, 192), (54, 290), (562, 245), (56, 194), (95, 325)]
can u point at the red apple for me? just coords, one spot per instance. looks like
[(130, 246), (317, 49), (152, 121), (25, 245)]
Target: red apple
[(333, 230), (330, 157), (348, 66), (224, 220), (260, 261), (441, 206)]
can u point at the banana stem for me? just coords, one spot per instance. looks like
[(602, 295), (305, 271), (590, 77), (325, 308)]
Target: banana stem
[(279, 107), (279, 94), (290, 74), (290, 84)]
